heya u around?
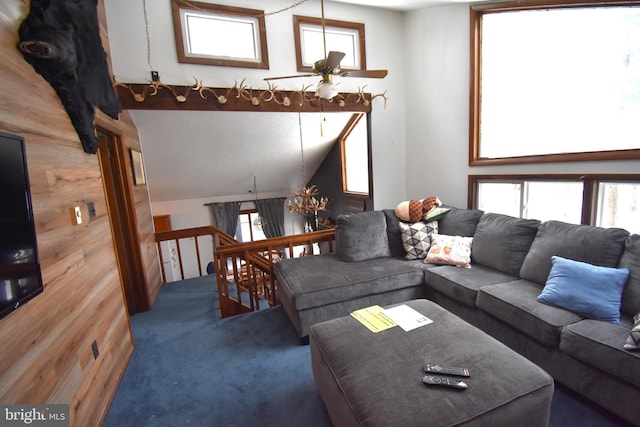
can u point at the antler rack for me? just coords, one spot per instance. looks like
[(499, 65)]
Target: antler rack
[(241, 97)]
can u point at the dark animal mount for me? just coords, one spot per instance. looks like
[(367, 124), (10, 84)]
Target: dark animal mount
[(61, 40)]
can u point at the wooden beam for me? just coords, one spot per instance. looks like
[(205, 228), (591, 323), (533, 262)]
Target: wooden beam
[(134, 96)]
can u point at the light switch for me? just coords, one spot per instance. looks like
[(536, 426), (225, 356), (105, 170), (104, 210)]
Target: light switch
[(77, 215)]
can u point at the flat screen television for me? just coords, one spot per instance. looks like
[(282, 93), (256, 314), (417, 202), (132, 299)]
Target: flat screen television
[(20, 276)]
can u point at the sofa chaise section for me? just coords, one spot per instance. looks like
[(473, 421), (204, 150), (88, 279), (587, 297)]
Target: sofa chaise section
[(361, 273)]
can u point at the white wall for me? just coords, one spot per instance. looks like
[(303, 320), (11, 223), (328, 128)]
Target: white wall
[(437, 64), (421, 138), (385, 50)]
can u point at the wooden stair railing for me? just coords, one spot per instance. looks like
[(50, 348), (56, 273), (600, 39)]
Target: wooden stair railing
[(244, 271), (219, 238)]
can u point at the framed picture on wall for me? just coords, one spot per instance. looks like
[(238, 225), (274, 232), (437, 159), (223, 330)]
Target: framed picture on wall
[(138, 168)]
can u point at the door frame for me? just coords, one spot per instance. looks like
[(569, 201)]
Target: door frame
[(115, 163)]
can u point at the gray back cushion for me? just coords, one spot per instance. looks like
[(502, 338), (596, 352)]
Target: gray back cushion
[(631, 260), (502, 242), (362, 236), (459, 222), (394, 234), (594, 245)]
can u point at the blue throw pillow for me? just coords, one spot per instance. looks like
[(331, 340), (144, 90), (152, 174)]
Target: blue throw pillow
[(592, 291)]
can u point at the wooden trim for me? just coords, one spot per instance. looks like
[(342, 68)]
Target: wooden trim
[(351, 124), (165, 99), (476, 13), (183, 58), (498, 6), (124, 216), (299, 20), (553, 158), (475, 32)]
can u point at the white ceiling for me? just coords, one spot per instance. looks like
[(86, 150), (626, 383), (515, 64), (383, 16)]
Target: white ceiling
[(402, 5), (202, 154)]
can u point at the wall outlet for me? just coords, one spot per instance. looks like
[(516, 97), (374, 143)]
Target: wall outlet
[(94, 348)]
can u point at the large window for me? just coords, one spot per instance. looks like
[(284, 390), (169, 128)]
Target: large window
[(555, 82), (605, 200), (214, 34)]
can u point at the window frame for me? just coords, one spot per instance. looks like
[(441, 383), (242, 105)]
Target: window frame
[(589, 192), (476, 13), (353, 122), (298, 21), (217, 9)]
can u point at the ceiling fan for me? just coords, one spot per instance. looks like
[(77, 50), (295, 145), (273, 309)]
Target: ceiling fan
[(329, 67)]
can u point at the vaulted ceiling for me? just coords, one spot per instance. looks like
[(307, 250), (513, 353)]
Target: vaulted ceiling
[(215, 155), (200, 154)]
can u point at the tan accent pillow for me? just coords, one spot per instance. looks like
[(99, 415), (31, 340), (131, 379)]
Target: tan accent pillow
[(452, 250)]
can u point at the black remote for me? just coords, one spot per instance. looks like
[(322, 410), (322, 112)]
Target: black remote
[(443, 381), (446, 370)]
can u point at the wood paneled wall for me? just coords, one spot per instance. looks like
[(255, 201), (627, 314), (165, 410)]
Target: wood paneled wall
[(45, 345)]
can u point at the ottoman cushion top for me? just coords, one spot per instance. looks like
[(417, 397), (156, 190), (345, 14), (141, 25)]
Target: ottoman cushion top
[(380, 375)]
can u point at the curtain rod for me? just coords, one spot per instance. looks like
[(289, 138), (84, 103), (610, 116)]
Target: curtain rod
[(242, 201)]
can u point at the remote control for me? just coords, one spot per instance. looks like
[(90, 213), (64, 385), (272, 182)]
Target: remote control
[(446, 382), (446, 370)]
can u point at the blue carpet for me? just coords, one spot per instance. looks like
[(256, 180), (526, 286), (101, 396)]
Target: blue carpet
[(191, 368)]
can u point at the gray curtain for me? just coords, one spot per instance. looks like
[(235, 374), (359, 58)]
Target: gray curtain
[(225, 216), (272, 212)]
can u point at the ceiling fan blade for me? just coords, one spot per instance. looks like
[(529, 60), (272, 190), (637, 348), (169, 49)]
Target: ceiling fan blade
[(371, 74), (289, 77), (333, 59)]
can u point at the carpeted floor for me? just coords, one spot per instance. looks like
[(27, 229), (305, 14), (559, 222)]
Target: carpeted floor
[(191, 368)]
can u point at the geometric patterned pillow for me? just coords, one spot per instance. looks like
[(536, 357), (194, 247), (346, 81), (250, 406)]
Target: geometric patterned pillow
[(633, 341), (416, 238)]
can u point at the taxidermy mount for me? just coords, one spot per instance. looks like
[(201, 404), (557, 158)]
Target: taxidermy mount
[(61, 40)]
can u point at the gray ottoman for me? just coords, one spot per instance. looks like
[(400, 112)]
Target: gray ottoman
[(368, 379)]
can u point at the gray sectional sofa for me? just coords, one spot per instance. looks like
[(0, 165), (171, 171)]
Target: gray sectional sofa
[(511, 262)]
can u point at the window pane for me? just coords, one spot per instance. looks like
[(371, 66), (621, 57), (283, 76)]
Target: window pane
[(618, 206), (249, 232), (356, 159), (258, 232), (338, 39), (561, 201), (210, 35), (245, 233), (222, 35), (500, 197), (560, 81)]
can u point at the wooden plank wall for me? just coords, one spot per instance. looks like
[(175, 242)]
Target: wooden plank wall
[(45, 346)]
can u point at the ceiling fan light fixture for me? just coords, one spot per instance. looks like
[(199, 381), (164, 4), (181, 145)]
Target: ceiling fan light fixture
[(326, 90)]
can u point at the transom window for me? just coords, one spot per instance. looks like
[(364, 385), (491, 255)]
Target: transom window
[(604, 201), (214, 34), (555, 82), (342, 36)]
